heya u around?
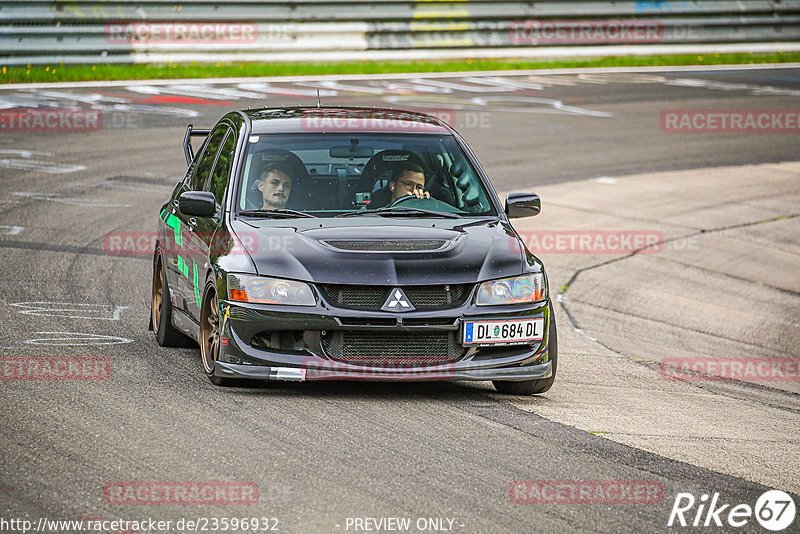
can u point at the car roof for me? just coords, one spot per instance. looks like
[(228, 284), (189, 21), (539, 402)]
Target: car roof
[(343, 120)]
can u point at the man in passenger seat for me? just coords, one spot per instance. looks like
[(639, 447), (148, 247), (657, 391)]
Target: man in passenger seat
[(275, 184)]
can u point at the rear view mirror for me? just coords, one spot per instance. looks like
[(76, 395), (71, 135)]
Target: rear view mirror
[(350, 151), (197, 203), (522, 205)]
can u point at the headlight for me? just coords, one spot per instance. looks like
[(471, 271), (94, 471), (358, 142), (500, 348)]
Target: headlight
[(264, 290), (517, 290)]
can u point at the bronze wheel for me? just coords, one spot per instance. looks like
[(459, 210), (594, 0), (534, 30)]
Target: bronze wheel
[(209, 331), (157, 297)]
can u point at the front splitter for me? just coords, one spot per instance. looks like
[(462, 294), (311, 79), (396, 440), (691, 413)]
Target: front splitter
[(299, 374)]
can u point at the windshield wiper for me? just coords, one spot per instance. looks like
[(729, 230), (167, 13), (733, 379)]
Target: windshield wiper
[(402, 212), (277, 213)]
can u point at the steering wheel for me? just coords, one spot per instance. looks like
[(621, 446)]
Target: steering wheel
[(404, 199), (425, 203)]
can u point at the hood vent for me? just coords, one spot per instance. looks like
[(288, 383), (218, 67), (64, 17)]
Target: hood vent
[(387, 245)]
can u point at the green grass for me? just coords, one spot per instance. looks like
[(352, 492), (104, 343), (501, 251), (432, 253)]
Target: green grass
[(65, 73)]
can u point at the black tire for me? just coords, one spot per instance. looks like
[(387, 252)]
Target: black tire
[(209, 337), (161, 310), (535, 387)]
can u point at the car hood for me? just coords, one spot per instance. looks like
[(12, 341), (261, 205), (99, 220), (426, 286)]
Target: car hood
[(378, 251)]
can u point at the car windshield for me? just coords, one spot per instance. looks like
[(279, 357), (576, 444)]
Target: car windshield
[(328, 175)]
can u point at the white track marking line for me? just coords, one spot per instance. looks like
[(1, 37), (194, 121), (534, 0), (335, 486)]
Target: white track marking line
[(103, 312), (397, 76), (54, 197), (76, 338), (10, 230)]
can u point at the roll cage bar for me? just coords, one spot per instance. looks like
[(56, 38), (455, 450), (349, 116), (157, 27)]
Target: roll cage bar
[(187, 142)]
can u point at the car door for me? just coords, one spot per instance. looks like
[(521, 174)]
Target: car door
[(192, 250), (172, 236), (204, 229)]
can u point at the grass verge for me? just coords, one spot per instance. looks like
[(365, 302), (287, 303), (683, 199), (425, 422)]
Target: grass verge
[(68, 73)]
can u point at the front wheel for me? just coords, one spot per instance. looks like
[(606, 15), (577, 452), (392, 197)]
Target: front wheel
[(210, 332), (534, 387)]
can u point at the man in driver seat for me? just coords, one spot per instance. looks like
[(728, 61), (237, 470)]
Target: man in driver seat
[(407, 179), (275, 184)]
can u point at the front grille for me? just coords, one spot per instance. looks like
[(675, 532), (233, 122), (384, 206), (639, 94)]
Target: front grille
[(357, 297), (386, 245), (366, 321), (402, 349), (431, 321), (373, 297), (435, 296)]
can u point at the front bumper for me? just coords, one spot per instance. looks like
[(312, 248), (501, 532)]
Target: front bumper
[(309, 356)]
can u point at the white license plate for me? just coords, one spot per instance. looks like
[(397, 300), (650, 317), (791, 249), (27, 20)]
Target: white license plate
[(503, 332)]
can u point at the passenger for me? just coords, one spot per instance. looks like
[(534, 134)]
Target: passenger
[(408, 179), (275, 184)]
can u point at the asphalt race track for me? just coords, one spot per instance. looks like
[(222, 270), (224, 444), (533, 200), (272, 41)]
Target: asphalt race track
[(724, 282)]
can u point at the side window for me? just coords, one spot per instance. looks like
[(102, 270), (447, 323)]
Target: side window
[(206, 162), (222, 170)]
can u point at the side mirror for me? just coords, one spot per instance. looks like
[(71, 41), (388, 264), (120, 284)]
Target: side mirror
[(522, 205), (197, 203)]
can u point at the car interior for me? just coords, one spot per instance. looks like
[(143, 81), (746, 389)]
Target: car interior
[(347, 173)]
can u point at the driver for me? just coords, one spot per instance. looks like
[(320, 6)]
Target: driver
[(275, 184), (408, 179)]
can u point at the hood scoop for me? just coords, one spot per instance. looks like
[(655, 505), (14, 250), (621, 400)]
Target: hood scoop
[(388, 245)]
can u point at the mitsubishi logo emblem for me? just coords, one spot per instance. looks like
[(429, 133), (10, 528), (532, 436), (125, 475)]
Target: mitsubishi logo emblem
[(397, 301)]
